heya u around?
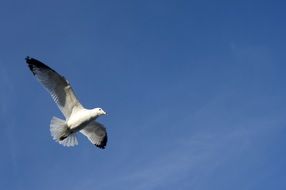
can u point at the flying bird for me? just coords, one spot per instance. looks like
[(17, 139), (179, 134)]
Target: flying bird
[(77, 118)]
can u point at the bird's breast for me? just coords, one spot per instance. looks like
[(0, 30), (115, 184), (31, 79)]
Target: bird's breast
[(78, 121)]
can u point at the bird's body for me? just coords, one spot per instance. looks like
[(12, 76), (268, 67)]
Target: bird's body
[(78, 119)]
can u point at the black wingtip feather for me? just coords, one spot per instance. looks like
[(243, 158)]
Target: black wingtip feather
[(103, 143), (34, 63)]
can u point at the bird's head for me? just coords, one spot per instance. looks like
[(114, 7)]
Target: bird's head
[(99, 111)]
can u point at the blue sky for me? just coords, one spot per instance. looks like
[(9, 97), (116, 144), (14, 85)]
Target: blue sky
[(195, 92)]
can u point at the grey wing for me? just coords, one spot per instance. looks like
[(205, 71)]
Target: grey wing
[(96, 134), (59, 88)]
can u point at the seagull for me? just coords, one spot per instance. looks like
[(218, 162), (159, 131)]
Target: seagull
[(77, 118)]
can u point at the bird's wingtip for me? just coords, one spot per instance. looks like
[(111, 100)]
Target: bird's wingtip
[(102, 144), (27, 59)]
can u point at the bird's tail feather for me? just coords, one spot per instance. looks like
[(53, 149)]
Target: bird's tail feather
[(61, 134)]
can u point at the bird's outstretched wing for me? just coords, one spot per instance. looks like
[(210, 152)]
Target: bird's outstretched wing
[(96, 133), (59, 88)]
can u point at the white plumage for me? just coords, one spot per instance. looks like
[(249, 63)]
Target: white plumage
[(77, 117)]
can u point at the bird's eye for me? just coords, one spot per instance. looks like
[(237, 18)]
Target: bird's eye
[(99, 109)]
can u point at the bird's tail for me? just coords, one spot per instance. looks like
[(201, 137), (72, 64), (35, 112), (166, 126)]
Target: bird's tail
[(61, 133)]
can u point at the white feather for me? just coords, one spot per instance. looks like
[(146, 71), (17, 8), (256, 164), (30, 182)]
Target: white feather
[(58, 128)]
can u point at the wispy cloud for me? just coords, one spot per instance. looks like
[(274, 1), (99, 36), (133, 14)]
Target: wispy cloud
[(195, 158)]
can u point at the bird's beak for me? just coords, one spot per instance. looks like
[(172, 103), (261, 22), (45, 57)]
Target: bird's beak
[(105, 113)]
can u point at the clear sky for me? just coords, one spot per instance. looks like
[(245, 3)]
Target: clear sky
[(195, 92)]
